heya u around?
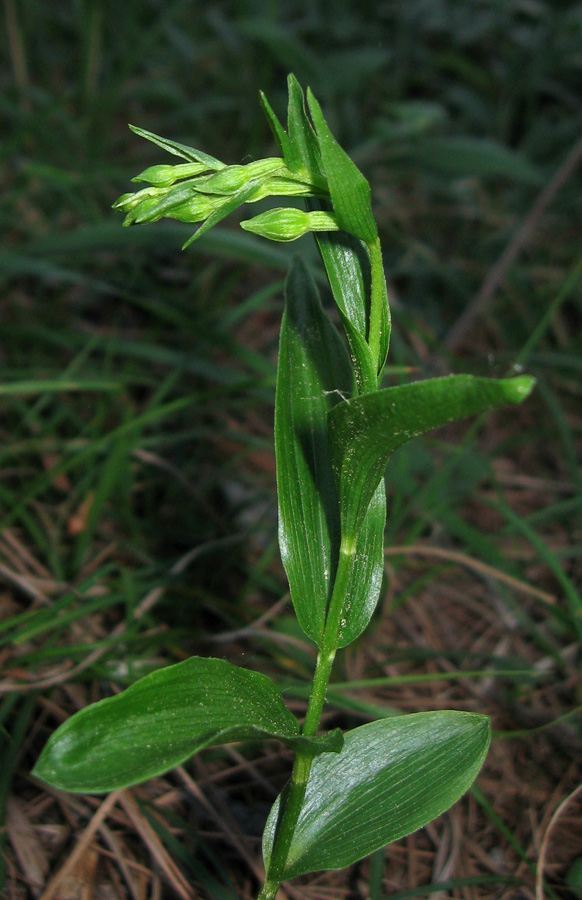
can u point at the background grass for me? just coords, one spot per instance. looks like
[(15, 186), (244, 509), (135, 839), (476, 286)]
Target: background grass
[(137, 472)]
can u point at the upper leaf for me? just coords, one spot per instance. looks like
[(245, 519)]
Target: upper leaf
[(163, 719), (348, 269), (347, 265), (365, 432), (392, 777), (299, 145), (314, 373), (182, 150), (301, 132), (365, 581), (290, 154), (349, 190)]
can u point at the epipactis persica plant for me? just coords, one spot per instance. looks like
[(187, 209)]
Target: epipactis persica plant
[(335, 431)]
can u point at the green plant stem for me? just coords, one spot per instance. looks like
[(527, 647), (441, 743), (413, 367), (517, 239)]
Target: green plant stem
[(293, 801)]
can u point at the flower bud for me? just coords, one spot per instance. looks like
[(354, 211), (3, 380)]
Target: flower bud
[(155, 203), (128, 202), (288, 224), (165, 176), (289, 187), (196, 209), (227, 181), (232, 178)]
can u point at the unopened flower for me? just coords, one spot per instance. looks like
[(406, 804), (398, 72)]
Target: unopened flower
[(165, 175), (288, 224)]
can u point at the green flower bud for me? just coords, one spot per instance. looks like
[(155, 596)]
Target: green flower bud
[(165, 176), (196, 209), (232, 178), (289, 187), (269, 166), (288, 224), (155, 203), (227, 181), (128, 202)]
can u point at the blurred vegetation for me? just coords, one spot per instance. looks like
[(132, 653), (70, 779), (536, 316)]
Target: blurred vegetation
[(137, 480)]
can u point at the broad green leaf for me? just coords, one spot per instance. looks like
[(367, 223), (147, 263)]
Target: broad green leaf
[(161, 720), (181, 150), (392, 777), (348, 269), (347, 265), (349, 190), (365, 431), (475, 157), (314, 371), (365, 581)]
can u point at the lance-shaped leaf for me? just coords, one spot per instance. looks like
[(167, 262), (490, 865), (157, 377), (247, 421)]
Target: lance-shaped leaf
[(392, 777), (182, 150), (365, 580), (349, 190), (348, 269), (301, 132), (314, 371), (299, 146), (365, 431), (163, 719), (289, 152), (347, 265)]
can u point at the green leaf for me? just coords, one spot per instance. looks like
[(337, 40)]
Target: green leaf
[(301, 133), (392, 777), (365, 431), (313, 369), (181, 150), (300, 147), (161, 720), (365, 581), (347, 266), (288, 150), (348, 269), (349, 190)]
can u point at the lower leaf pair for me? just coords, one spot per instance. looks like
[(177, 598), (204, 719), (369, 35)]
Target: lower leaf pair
[(379, 782)]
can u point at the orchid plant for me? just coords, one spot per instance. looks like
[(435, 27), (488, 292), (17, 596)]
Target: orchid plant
[(351, 793)]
